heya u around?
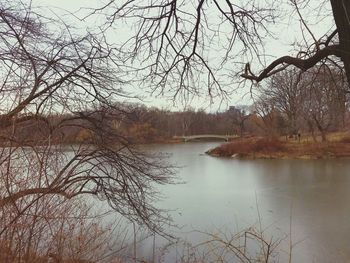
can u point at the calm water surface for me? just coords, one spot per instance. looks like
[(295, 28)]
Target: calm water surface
[(311, 196)]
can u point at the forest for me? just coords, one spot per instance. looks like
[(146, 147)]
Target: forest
[(313, 104)]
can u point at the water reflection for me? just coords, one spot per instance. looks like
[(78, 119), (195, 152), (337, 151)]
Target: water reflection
[(311, 196)]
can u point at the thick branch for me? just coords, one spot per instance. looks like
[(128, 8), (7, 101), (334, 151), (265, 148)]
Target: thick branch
[(303, 64), (33, 191)]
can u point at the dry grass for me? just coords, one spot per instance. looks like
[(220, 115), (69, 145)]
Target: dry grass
[(337, 146), (345, 139), (246, 147)]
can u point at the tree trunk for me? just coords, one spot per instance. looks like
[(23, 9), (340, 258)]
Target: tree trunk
[(341, 13), (311, 129), (321, 129), (241, 127)]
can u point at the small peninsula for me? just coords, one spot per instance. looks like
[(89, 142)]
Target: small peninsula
[(337, 145)]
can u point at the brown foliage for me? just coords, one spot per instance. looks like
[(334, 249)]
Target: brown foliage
[(143, 132), (85, 136), (249, 146), (345, 139), (337, 147)]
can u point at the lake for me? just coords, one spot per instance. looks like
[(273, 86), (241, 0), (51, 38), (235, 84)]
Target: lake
[(310, 197)]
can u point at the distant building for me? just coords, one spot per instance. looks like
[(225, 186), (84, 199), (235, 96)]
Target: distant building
[(233, 109), (241, 109)]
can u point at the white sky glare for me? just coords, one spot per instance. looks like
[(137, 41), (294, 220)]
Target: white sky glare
[(286, 32)]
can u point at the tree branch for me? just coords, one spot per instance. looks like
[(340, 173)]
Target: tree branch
[(303, 64)]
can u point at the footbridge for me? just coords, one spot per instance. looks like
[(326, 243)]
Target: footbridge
[(206, 136)]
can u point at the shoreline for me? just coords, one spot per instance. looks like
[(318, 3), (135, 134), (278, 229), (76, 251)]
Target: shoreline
[(276, 148)]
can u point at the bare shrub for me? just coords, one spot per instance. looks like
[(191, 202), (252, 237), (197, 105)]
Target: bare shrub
[(62, 230), (250, 146), (345, 139)]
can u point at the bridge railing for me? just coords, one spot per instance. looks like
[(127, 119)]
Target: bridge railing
[(206, 136)]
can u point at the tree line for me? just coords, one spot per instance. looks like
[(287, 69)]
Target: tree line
[(314, 102)]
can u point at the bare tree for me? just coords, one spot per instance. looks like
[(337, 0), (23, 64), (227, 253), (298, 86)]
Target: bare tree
[(177, 39), (239, 116), (285, 92), (333, 44), (48, 68), (273, 122), (315, 98), (188, 42), (324, 99), (57, 229)]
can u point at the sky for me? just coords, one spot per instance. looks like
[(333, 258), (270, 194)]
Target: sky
[(286, 33)]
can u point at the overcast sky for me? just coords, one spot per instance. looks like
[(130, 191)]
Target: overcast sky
[(286, 33)]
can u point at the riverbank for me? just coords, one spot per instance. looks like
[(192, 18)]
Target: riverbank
[(337, 146)]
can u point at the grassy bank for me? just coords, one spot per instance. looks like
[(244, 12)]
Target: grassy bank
[(336, 146)]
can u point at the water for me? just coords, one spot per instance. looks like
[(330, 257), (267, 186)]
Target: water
[(311, 197)]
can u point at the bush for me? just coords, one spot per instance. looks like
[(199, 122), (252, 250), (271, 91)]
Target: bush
[(345, 139), (248, 146), (268, 145)]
